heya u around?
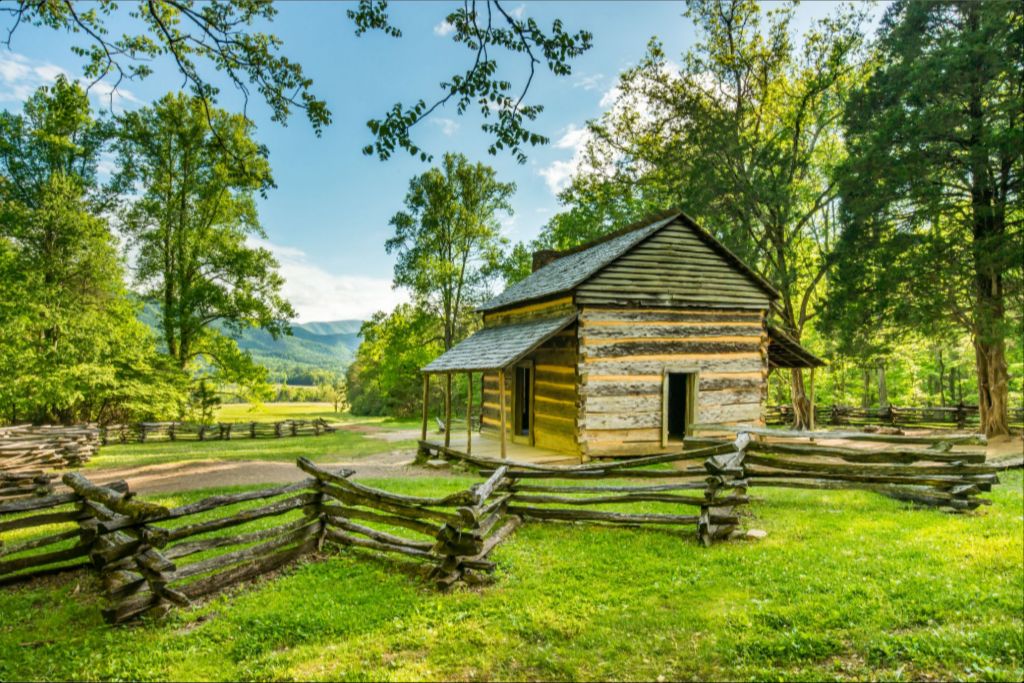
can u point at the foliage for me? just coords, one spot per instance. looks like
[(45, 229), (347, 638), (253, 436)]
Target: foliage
[(745, 135), (192, 34), (195, 173), (846, 586), (931, 191), (448, 240), (71, 348), (126, 40), (481, 31), (333, 389), (384, 377)]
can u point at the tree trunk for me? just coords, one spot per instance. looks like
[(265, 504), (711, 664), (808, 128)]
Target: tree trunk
[(801, 403), (865, 398), (883, 390), (993, 387)]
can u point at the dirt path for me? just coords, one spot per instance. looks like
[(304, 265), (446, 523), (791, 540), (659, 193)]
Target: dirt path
[(200, 474)]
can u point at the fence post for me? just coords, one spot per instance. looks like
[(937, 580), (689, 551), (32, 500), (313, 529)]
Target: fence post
[(726, 471), (961, 416)]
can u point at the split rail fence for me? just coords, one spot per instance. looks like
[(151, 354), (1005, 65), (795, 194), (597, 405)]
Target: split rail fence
[(151, 558), (24, 448), (146, 432), (937, 417)]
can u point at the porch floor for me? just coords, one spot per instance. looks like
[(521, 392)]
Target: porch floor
[(488, 445)]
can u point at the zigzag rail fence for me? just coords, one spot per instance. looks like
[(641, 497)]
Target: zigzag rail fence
[(147, 432), (150, 558), (957, 417)]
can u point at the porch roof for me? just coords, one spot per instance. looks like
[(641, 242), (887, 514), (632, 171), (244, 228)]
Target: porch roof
[(786, 352), (493, 348)]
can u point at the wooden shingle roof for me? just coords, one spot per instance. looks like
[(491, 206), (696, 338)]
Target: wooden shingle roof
[(576, 266), (493, 348)]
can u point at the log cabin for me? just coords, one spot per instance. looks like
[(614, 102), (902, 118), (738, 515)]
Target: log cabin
[(620, 346)]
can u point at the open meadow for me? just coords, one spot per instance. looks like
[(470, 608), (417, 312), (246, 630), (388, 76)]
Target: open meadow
[(846, 585)]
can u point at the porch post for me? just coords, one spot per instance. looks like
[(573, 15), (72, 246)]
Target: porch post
[(448, 410), (469, 413), (426, 398), (501, 409)]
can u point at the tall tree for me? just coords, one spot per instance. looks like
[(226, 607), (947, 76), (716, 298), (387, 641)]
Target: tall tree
[(195, 174), (70, 345), (931, 192), (448, 239), (123, 40), (744, 135)]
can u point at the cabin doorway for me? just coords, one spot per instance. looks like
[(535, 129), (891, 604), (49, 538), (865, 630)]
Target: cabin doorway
[(678, 409), (522, 404)]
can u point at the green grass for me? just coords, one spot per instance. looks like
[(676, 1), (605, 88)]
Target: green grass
[(340, 445), (272, 412), (847, 585)]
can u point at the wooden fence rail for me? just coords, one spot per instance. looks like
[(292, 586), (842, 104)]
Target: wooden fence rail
[(937, 417), (33, 447), (151, 558), (145, 432)]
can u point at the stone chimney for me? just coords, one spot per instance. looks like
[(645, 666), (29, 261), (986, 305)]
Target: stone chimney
[(543, 257)]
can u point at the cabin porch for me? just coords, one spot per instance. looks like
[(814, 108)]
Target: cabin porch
[(488, 445)]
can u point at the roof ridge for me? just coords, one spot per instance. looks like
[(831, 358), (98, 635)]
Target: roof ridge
[(632, 227)]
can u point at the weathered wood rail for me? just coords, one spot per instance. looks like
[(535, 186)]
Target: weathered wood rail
[(146, 432), (33, 447), (935, 417), (150, 557), (928, 470), (567, 494)]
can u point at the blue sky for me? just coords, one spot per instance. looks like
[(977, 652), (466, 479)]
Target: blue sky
[(328, 218)]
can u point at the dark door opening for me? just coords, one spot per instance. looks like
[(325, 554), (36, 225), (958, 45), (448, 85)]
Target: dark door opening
[(678, 411), (521, 405)]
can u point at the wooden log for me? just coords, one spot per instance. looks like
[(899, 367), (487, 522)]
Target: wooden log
[(841, 468), (482, 492), (754, 474), (889, 455), (451, 500), (625, 498), (39, 542), (344, 538), (44, 571), (393, 520), (117, 502), (40, 520), (249, 554), (29, 504), (192, 547), (242, 517), (352, 497), (232, 498), (248, 570), (376, 534), (540, 488), (11, 566), (610, 517), (965, 439), (929, 496)]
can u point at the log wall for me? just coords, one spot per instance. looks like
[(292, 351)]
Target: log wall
[(625, 353)]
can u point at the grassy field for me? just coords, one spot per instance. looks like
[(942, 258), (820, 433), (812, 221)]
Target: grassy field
[(847, 585), (339, 445)]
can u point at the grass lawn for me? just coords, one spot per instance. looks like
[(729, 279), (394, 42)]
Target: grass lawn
[(847, 585), (272, 412), (340, 445)]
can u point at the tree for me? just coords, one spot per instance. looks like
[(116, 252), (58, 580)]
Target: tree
[(448, 239), (395, 346), (71, 348), (220, 35), (195, 175), (745, 135), (331, 386), (931, 191)]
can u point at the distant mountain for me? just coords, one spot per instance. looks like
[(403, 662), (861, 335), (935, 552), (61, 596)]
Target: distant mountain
[(313, 346)]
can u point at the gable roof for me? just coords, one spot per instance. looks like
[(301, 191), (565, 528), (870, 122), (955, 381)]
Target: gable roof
[(493, 348), (578, 265)]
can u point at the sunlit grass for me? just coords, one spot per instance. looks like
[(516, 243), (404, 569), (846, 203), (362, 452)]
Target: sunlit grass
[(847, 585)]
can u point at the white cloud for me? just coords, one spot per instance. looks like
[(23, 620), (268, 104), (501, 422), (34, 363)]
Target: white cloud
[(518, 11), (20, 76), (558, 174), (589, 82), (318, 295), (443, 29), (449, 127)]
